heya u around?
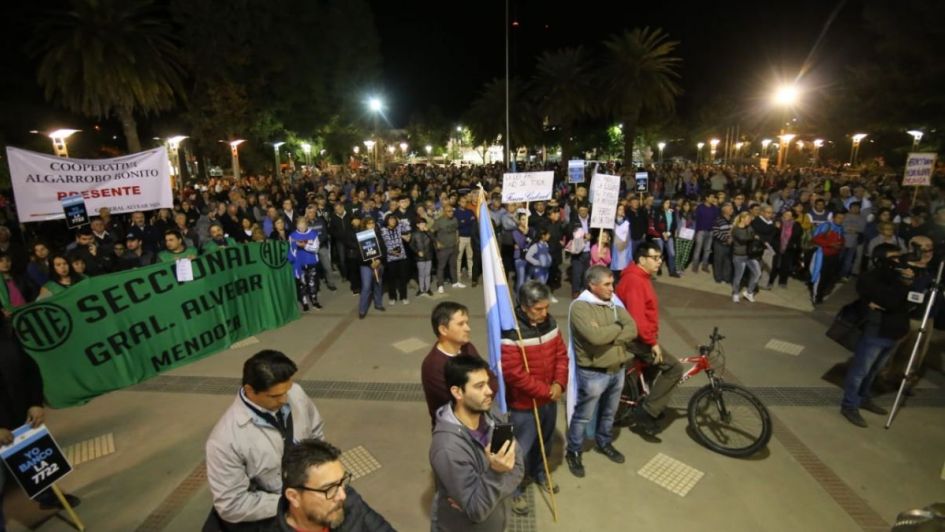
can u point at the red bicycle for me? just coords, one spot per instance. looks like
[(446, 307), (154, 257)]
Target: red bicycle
[(725, 417)]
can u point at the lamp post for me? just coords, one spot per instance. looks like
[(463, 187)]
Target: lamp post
[(370, 144), (764, 147), (307, 150), (916, 138), (818, 143), (403, 150), (785, 97), (235, 157), (784, 146), (855, 148), (713, 144), (699, 146), (275, 150), (429, 150), (59, 141), (173, 145), (738, 148), (661, 145)]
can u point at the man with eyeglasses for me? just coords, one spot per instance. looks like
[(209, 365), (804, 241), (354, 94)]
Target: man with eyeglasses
[(317, 495), (244, 451), (636, 291)]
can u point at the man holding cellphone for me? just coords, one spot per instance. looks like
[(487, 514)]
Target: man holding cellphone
[(473, 484), (540, 384)]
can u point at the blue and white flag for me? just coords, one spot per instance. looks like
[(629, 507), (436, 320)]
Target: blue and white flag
[(499, 314)]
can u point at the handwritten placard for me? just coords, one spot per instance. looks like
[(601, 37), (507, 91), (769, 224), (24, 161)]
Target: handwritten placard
[(606, 191), (527, 186), (919, 169)]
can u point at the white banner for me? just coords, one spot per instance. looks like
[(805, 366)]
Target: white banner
[(605, 189), (527, 186), (919, 169), (137, 182)]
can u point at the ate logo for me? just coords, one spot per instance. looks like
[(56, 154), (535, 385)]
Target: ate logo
[(274, 254), (42, 326)]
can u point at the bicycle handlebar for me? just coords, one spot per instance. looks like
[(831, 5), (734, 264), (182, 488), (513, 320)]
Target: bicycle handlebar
[(715, 337)]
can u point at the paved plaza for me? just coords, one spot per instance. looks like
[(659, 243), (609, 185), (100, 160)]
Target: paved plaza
[(141, 461)]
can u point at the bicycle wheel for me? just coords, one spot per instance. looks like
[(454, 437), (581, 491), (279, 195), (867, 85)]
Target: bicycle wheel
[(729, 420), (629, 398)]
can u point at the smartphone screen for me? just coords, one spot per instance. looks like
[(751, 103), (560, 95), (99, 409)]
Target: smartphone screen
[(501, 434)]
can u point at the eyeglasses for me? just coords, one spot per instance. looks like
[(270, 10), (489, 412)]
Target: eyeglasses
[(658, 258), (331, 491)]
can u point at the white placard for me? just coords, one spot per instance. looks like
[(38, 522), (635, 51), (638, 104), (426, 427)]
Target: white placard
[(919, 169), (606, 192), (527, 186), (137, 182), (185, 270)]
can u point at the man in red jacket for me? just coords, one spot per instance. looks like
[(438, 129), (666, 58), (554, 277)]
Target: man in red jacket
[(541, 384), (636, 291)]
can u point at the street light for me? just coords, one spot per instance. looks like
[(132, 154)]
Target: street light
[(786, 95), (391, 150), (307, 150), (784, 146), (403, 149), (59, 137), (738, 148), (661, 145), (275, 149), (800, 145), (699, 146), (235, 157), (375, 104), (818, 143), (369, 144), (713, 143), (916, 138), (764, 146), (356, 150), (855, 148), (173, 144)]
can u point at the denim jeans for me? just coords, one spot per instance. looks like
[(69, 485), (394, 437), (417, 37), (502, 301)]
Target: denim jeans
[(521, 265), (371, 286), (847, 260), (527, 438), (668, 248), (741, 261), (870, 355), (702, 248), (579, 265), (592, 388)]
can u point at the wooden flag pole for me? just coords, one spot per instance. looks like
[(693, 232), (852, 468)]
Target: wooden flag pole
[(65, 504)]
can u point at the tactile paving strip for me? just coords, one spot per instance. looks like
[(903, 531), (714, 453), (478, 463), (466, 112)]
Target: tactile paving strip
[(671, 474), (410, 345), (523, 523), (91, 449), (784, 347), (359, 462), (245, 342)]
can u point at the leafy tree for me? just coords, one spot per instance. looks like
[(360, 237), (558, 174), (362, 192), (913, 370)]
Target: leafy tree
[(562, 91), (486, 116), (104, 58)]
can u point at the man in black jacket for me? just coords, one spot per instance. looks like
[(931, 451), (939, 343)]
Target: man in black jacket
[(317, 495), (884, 293), (769, 231), (338, 223)]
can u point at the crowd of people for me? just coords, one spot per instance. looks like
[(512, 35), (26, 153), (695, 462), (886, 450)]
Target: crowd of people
[(268, 464)]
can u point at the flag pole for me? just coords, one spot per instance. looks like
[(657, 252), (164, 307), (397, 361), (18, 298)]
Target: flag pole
[(521, 346)]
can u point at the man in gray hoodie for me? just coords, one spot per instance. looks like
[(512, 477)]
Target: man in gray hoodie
[(473, 485)]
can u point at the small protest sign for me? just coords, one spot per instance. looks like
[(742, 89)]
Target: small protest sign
[(527, 186)]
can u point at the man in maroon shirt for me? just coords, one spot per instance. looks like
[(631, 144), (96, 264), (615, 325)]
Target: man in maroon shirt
[(450, 321)]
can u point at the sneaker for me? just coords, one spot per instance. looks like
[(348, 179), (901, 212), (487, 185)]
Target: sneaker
[(870, 406), (705, 268), (695, 268), (430, 292), (361, 316), (418, 294), (853, 416), (749, 296), (440, 289), (543, 485), (735, 298), (676, 275), (382, 309), (459, 285), (405, 301), (520, 504), (475, 284), (574, 464), (609, 451), (316, 304), (554, 299)]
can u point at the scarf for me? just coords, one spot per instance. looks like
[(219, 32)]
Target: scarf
[(786, 230), (571, 396)]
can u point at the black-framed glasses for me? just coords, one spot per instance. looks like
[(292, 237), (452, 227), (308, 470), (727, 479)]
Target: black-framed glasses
[(331, 491), (655, 257)]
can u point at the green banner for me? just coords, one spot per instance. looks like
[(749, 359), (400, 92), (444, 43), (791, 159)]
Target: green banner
[(116, 330)]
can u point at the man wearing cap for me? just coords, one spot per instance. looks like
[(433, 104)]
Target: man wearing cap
[(135, 254)]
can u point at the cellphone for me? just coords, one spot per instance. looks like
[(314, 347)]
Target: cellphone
[(502, 433)]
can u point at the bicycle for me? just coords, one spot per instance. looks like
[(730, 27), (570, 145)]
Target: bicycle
[(724, 417)]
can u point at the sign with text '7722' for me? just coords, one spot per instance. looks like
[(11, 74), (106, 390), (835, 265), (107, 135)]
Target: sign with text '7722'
[(35, 459)]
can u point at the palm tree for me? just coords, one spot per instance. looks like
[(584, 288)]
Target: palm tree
[(638, 74), (563, 93), (105, 58), (486, 116)]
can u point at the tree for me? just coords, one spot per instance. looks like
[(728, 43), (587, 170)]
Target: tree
[(639, 73), (562, 92), (486, 116), (105, 58)]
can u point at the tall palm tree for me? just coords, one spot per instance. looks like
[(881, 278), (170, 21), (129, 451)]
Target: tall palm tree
[(639, 73), (105, 58), (486, 116), (562, 90)]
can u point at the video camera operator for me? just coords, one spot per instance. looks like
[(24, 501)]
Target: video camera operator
[(884, 302)]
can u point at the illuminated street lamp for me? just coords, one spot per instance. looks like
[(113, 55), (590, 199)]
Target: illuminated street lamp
[(916, 138), (375, 104), (713, 144), (173, 145), (818, 143), (235, 157), (661, 145), (403, 149), (356, 150), (59, 141), (699, 146), (370, 144), (764, 147), (391, 150), (429, 150), (275, 149), (855, 148), (307, 150), (800, 145), (738, 148), (786, 95), (783, 147)]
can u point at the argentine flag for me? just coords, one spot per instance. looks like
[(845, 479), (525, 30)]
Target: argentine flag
[(499, 314)]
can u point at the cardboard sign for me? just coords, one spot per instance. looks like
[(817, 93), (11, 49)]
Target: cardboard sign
[(642, 179), (370, 248), (35, 459), (527, 186), (919, 169), (606, 191), (76, 213), (575, 172)]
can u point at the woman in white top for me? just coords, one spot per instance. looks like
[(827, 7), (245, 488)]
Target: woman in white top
[(622, 253)]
